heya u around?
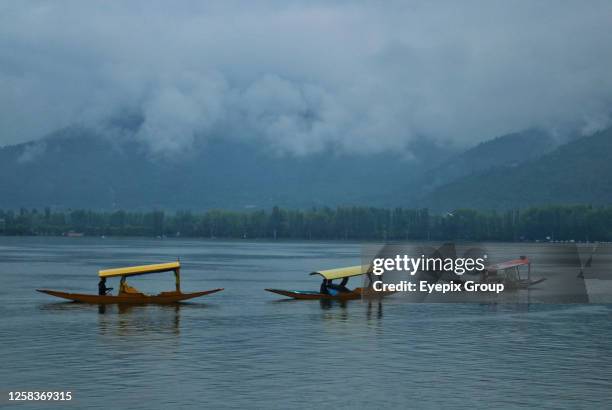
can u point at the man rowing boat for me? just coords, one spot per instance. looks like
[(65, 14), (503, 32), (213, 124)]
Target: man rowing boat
[(329, 290), (102, 289), (328, 287)]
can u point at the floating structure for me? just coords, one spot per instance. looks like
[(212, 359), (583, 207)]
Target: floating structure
[(128, 294), (509, 273), (333, 292)]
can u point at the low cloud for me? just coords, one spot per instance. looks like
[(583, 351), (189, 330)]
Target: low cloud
[(306, 76), (32, 151)]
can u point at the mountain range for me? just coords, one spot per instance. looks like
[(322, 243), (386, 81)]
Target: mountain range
[(79, 168), (577, 172)]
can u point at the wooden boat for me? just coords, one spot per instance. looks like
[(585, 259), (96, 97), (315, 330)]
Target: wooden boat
[(128, 294), (509, 273), (135, 298), (311, 295), (330, 275)]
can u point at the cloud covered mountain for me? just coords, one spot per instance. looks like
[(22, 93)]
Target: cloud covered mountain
[(298, 103), (79, 168), (304, 77)]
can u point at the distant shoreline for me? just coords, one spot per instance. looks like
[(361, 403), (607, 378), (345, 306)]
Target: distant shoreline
[(566, 223)]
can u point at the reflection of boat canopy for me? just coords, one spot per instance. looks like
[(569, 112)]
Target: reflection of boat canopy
[(341, 273), (143, 270)]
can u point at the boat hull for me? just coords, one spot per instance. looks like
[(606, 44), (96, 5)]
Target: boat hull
[(306, 295), (136, 299), (520, 284)]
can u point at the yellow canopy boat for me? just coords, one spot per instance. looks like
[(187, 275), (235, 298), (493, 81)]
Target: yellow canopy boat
[(341, 273), (330, 291), (128, 294)]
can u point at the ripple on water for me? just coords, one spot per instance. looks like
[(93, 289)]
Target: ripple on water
[(241, 348)]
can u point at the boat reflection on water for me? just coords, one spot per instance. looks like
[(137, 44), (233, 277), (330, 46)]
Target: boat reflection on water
[(373, 306), (371, 309), (334, 311), (342, 310), (139, 320), (327, 304)]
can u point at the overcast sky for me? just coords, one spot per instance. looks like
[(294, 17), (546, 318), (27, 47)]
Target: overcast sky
[(302, 76)]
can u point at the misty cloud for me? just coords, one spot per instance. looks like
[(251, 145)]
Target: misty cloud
[(32, 151), (306, 76)]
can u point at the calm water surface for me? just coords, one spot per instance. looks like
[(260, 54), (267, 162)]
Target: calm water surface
[(245, 348)]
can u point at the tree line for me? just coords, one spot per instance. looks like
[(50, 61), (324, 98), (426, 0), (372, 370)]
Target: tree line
[(577, 222)]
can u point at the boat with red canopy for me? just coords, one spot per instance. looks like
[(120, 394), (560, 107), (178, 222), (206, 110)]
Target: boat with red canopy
[(511, 273)]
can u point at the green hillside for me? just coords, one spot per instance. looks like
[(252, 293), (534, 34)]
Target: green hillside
[(507, 149), (78, 168), (577, 172)]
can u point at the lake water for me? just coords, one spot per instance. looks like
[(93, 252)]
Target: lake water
[(243, 347)]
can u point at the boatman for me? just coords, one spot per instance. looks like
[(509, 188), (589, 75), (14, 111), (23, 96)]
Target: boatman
[(328, 287), (323, 290), (102, 289), (342, 285)]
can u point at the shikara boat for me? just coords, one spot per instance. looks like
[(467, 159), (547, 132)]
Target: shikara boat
[(311, 295), (330, 275), (509, 273), (130, 295)]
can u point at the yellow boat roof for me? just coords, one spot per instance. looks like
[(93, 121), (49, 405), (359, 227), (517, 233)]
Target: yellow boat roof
[(340, 273), (139, 270)]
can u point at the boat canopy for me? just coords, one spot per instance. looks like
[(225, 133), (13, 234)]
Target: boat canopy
[(140, 270), (508, 264), (340, 273)]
